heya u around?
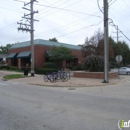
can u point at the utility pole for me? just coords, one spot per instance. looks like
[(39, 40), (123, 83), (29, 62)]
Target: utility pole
[(30, 28), (117, 34), (106, 45)]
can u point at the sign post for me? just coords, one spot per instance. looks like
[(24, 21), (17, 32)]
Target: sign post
[(119, 58)]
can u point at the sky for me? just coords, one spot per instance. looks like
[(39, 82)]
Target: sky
[(70, 21)]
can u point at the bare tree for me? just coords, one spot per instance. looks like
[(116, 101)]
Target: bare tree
[(95, 39)]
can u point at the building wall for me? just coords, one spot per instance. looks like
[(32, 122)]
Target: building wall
[(39, 54)]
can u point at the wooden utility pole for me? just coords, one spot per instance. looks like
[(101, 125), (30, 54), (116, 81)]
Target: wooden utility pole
[(106, 45), (30, 28), (117, 34)]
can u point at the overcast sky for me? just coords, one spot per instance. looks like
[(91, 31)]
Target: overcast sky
[(70, 21)]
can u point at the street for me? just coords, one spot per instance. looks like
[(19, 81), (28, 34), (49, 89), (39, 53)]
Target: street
[(31, 107)]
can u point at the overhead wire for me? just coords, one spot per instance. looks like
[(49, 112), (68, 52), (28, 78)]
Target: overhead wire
[(11, 10), (79, 29), (69, 10), (112, 2), (55, 6), (112, 24), (126, 4), (68, 25), (99, 6)]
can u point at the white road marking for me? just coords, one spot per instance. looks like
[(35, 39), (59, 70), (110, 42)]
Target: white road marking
[(3, 84)]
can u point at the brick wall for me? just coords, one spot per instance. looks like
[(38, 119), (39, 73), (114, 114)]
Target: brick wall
[(97, 75), (39, 54)]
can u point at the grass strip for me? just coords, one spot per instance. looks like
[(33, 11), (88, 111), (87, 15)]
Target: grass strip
[(13, 76)]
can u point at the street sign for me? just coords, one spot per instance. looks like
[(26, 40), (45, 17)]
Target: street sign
[(119, 58)]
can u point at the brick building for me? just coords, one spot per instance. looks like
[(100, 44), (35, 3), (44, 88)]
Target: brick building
[(20, 53)]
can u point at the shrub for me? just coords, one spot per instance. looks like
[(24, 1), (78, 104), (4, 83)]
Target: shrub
[(7, 67), (113, 64), (78, 67), (4, 67), (50, 65), (3, 62), (1, 67), (14, 68), (93, 63), (45, 70)]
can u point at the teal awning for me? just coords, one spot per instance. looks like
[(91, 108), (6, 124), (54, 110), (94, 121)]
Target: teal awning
[(25, 54), (12, 55)]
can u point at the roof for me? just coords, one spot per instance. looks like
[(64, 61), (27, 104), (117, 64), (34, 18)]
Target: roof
[(45, 43)]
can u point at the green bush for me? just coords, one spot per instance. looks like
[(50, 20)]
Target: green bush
[(78, 67), (93, 63), (7, 67), (4, 67), (14, 68), (45, 70), (113, 64), (1, 67), (50, 65)]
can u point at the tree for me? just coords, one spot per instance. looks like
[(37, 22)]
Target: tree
[(59, 54), (93, 63), (100, 48), (95, 39), (4, 49), (53, 39), (121, 48)]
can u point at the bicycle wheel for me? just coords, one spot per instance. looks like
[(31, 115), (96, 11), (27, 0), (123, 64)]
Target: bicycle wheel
[(64, 77), (46, 78), (51, 78)]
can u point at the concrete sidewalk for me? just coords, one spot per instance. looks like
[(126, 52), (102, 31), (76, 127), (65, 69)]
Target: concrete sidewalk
[(72, 82)]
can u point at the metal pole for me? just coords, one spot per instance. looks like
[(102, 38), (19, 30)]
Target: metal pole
[(32, 39), (106, 63), (117, 33)]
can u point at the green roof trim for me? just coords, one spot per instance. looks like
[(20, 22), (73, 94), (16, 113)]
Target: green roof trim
[(25, 54), (44, 43), (12, 55)]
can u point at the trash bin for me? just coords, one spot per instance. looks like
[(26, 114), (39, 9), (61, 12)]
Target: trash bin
[(26, 72)]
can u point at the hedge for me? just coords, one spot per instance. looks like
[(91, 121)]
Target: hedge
[(45, 70), (50, 65)]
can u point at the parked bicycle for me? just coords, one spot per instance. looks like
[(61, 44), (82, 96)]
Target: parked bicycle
[(49, 76), (54, 76)]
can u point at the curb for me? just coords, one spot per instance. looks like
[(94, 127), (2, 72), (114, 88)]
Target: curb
[(3, 79), (56, 85)]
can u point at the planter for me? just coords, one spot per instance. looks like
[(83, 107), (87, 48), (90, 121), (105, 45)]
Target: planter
[(96, 75)]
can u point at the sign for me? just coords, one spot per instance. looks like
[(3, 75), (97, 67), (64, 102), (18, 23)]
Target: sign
[(119, 58)]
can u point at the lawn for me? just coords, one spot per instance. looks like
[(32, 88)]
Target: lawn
[(13, 76)]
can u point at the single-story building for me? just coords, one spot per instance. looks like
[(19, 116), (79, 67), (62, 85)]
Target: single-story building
[(20, 53), (3, 57)]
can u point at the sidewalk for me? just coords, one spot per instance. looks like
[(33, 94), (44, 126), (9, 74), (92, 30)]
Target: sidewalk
[(73, 82)]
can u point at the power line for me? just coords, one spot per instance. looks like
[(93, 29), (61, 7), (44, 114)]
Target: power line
[(112, 24), (80, 29), (126, 4), (120, 22), (50, 4), (124, 35), (55, 6), (99, 6), (11, 10), (68, 10), (68, 25), (112, 2), (7, 26)]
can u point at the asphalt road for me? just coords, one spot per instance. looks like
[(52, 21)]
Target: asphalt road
[(29, 107)]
